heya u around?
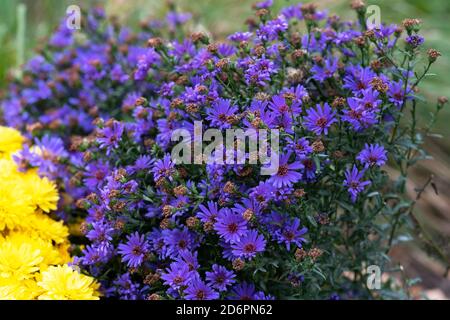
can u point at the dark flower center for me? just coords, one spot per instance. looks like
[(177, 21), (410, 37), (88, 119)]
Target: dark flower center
[(289, 235), (200, 295), (99, 175), (355, 114), (398, 96), (321, 122), (220, 279), (182, 244), (283, 170), (360, 85), (354, 184), (250, 247), (222, 117), (232, 227), (177, 280), (284, 108), (308, 164), (136, 250), (372, 159)]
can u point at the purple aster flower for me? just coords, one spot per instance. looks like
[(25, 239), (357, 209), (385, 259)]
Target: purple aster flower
[(264, 4), (396, 93), (220, 113), (249, 245), (327, 71), (243, 291), (177, 275), (220, 277), (358, 117), (100, 232), (262, 193), (133, 252), (320, 119), (126, 288), (415, 40), (142, 163), (209, 213), (179, 240), (189, 258), (280, 106), (230, 226), (353, 181), (95, 175), (291, 232), (163, 168), (373, 154), (259, 72), (198, 290), (240, 36), (110, 136), (175, 19), (358, 78), (145, 62), (287, 173), (369, 100), (301, 147)]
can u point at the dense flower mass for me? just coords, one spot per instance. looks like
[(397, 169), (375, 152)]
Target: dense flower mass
[(33, 247), (102, 113)]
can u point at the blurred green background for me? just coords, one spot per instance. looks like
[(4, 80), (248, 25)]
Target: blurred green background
[(20, 35)]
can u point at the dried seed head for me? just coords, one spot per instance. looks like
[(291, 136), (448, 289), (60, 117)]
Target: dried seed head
[(338, 102), (315, 253), (208, 226), (180, 190), (379, 85), (222, 63), (167, 210), (238, 264), (165, 223), (229, 187), (318, 146), (212, 48), (154, 296), (260, 50), (299, 193), (357, 5), (192, 222), (154, 42), (442, 100), (248, 214), (433, 54), (300, 254)]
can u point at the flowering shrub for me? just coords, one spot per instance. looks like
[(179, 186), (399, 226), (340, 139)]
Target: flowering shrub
[(33, 247), (336, 91), (76, 77)]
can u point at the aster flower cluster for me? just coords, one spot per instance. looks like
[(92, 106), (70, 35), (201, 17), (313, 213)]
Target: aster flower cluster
[(76, 77), (158, 229)]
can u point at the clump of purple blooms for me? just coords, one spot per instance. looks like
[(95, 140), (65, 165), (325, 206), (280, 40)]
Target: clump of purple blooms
[(102, 114)]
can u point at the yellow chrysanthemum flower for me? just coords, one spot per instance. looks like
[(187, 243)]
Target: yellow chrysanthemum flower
[(46, 228), (10, 141), (20, 290), (50, 254), (18, 261), (64, 283), (42, 192), (34, 248), (15, 207)]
